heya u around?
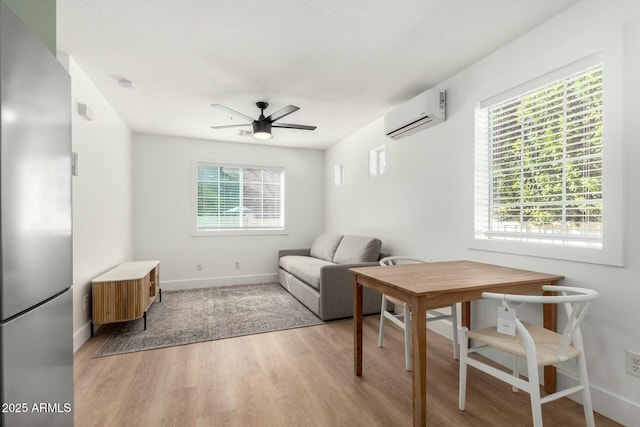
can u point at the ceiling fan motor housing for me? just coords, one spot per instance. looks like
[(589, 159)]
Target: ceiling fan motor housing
[(261, 126)]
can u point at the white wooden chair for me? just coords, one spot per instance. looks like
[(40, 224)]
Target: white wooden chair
[(539, 347), (403, 319)]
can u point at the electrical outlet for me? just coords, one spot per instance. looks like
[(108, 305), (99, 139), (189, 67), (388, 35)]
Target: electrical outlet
[(86, 302), (633, 364), (198, 266), (237, 265)]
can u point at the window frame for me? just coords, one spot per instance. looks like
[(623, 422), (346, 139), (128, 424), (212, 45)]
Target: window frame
[(235, 231), (338, 175), (611, 252), (377, 161)]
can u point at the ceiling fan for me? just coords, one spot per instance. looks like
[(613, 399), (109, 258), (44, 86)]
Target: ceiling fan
[(262, 125)]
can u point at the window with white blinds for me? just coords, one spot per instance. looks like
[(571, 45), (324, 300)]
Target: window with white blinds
[(539, 163), (231, 197)]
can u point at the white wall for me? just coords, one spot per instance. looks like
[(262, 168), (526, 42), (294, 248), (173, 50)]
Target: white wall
[(163, 184), (423, 205), (102, 208)]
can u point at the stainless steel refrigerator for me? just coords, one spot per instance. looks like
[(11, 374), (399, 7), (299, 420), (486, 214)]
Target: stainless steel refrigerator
[(36, 324)]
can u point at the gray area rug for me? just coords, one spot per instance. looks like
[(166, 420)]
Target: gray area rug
[(190, 316)]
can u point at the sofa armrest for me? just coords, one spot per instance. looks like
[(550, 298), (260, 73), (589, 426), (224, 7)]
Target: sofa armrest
[(336, 291), (299, 252), (338, 267), (340, 274)]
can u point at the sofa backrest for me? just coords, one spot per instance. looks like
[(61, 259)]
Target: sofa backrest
[(353, 249), (325, 245)]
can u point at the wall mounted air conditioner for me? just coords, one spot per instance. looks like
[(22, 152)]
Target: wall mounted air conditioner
[(419, 113)]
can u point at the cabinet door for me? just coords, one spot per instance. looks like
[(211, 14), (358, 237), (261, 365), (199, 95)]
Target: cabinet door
[(37, 365)]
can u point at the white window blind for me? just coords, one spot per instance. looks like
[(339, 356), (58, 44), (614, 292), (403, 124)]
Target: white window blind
[(539, 163), (239, 197)]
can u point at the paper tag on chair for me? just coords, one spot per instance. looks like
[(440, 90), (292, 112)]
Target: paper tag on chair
[(507, 321)]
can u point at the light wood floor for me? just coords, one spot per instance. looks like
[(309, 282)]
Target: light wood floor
[(299, 377)]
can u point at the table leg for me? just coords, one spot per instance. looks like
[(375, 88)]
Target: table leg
[(419, 360), (466, 317), (466, 314), (357, 326), (550, 321)]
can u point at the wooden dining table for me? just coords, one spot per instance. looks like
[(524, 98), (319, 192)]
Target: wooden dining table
[(426, 286)]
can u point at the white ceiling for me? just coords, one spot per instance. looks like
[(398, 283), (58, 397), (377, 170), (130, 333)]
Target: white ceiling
[(345, 63)]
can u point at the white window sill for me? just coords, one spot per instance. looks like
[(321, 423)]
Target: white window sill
[(611, 256), (239, 232)]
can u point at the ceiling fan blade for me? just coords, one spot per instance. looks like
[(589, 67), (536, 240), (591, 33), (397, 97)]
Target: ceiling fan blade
[(290, 126), (230, 126), (282, 112), (234, 112)]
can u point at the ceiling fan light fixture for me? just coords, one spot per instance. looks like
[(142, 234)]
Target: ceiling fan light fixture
[(262, 135), (261, 130)]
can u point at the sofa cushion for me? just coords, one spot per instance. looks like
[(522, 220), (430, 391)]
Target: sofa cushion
[(357, 249), (304, 268), (325, 245)]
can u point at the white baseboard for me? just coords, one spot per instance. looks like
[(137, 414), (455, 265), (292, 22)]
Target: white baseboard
[(210, 282), (81, 336), (619, 409)]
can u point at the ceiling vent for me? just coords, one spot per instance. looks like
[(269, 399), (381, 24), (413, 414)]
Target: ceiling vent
[(244, 132), (419, 113)]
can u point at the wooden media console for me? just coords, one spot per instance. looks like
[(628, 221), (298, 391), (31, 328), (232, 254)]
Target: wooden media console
[(125, 292)]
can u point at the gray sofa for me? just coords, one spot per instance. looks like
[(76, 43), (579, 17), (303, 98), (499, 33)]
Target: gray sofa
[(319, 277)]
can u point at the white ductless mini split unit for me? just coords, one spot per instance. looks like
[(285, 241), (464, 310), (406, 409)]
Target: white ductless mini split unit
[(421, 112)]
